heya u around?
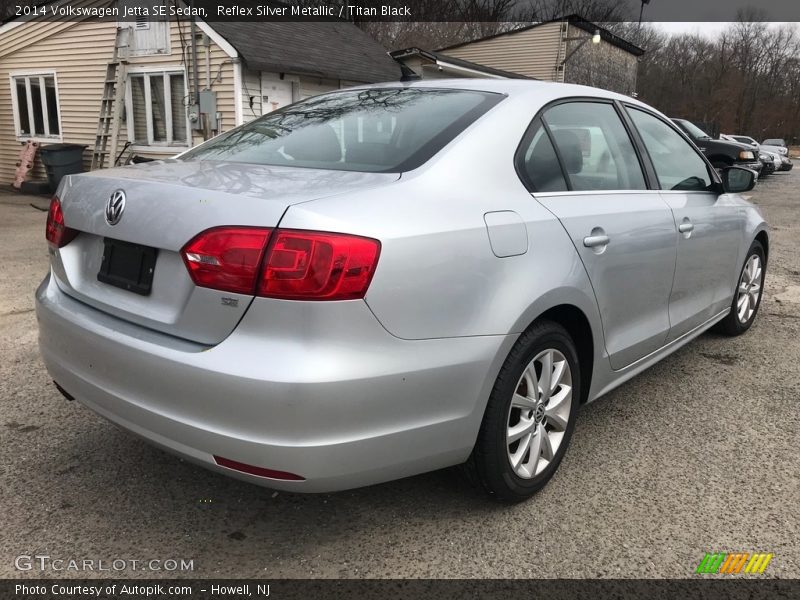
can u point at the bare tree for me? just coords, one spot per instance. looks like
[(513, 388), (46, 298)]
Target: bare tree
[(744, 81)]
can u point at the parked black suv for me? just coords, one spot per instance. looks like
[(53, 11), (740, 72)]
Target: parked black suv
[(721, 153)]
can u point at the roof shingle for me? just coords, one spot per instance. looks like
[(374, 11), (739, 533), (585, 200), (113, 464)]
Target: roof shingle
[(334, 49)]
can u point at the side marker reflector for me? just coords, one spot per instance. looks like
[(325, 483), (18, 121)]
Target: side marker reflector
[(257, 471)]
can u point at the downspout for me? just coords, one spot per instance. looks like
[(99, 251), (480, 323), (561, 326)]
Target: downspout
[(195, 75), (207, 44)]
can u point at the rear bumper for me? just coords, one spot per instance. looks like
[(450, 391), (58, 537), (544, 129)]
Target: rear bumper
[(316, 389)]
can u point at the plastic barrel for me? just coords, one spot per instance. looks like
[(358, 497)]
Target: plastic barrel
[(60, 160)]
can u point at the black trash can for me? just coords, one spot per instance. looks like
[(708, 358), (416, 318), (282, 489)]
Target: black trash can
[(60, 160)]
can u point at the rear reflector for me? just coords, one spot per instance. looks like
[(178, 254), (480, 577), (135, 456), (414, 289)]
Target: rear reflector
[(258, 471), (283, 263), (56, 231)]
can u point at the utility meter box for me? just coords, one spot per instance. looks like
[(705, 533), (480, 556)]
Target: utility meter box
[(208, 111)]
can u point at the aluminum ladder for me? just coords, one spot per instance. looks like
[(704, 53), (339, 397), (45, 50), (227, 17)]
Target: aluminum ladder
[(108, 124)]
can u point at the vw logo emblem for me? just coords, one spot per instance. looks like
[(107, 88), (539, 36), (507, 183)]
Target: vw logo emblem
[(115, 207)]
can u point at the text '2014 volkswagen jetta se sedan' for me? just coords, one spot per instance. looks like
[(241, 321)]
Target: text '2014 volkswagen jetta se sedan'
[(387, 280)]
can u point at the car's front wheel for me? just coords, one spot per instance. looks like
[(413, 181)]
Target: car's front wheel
[(530, 415), (749, 290)]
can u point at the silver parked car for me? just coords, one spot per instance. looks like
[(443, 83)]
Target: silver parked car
[(387, 280)]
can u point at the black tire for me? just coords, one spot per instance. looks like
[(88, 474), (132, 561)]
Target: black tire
[(732, 325), (489, 465)]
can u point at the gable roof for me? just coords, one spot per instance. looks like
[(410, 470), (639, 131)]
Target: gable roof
[(335, 49), (438, 57), (573, 19)]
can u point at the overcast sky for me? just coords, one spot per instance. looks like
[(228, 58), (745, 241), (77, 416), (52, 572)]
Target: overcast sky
[(708, 29)]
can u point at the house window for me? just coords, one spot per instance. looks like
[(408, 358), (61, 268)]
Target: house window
[(35, 99), (156, 109)]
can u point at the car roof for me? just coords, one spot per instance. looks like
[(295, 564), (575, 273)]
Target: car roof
[(546, 90)]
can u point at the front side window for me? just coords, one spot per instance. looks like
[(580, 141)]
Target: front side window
[(36, 106), (594, 147), (156, 112), (374, 130), (677, 164)]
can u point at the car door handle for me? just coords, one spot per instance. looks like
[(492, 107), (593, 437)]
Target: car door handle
[(686, 227), (594, 241)]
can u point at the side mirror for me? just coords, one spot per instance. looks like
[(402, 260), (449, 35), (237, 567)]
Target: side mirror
[(736, 180)]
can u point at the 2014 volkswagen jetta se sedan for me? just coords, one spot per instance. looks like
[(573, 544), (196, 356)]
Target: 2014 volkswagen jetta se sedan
[(387, 280)]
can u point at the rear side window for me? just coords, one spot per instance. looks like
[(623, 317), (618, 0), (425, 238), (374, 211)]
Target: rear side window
[(677, 164), (594, 147), (375, 130), (537, 162)]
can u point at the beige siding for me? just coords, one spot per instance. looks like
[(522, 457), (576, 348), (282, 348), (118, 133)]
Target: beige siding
[(251, 89), (79, 52), (535, 52), (311, 86), (601, 65)]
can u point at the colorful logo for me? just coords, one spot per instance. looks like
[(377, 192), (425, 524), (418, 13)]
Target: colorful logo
[(739, 562)]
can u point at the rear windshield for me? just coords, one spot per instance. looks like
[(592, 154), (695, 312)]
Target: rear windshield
[(375, 130)]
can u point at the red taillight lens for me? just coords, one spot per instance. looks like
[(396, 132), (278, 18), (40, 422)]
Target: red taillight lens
[(300, 265), (226, 258), (312, 265), (56, 231)]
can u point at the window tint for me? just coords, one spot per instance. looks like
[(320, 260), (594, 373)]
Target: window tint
[(538, 164), (594, 147), (376, 130), (676, 162)]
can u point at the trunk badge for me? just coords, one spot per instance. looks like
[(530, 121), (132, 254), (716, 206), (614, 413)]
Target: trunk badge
[(114, 207)]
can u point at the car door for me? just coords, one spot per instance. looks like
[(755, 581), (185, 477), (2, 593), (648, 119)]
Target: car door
[(710, 226), (581, 165)]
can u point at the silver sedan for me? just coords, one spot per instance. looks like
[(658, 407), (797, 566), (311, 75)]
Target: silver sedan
[(387, 280)]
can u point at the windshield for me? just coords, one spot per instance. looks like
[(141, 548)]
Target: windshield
[(694, 130), (375, 130), (774, 142)]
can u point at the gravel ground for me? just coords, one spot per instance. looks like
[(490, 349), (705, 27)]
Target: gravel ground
[(700, 453)]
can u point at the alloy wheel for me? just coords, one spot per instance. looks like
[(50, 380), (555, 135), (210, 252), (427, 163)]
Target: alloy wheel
[(539, 413), (749, 289)]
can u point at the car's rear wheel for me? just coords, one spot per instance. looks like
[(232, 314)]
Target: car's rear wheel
[(530, 415), (747, 297)]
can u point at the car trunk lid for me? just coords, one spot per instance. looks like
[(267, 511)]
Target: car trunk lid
[(167, 203)]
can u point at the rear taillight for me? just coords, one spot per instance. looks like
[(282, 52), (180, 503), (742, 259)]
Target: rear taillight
[(226, 258), (299, 265), (56, 231), (311, 265)]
